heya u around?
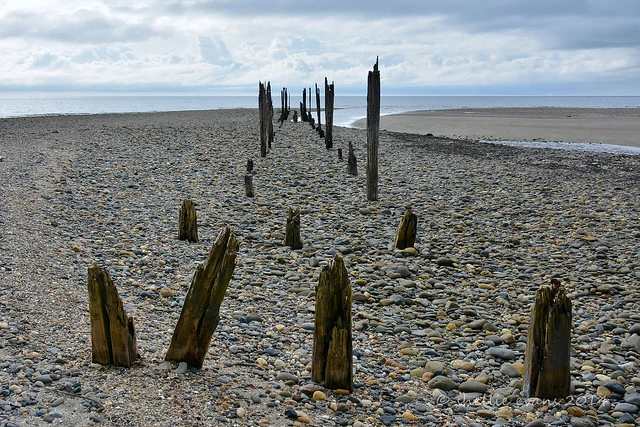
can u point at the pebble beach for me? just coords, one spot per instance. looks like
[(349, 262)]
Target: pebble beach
[(439, 330)]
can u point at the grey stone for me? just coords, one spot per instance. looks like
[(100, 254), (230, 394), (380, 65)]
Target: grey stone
[(443, 383), (501, 353)]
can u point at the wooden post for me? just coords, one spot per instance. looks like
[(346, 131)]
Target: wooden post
[(271, 134), (248, 185), (249, 165), (303, 105), (113, 336), (373, 130), (547, 368), (319, 127), (406, 234), (188, 226), (352, 166), (332, 342), (262, 106), (292, 230), (340, 154), (201, 310), (295, 116), (329, 92)]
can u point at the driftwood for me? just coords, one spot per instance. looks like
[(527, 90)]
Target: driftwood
[(292, 230), (332, 342), (248, 185), (329, 92), (406, 234), (352, 165), (373, 130), (201, 310), (188, 222), (547, 368), (113, 336)]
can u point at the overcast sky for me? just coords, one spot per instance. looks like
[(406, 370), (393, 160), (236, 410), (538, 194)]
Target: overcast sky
[(488, 47)]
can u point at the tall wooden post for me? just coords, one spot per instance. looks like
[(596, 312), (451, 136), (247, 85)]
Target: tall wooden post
[(264, 114), (547, 367), (188, 222), (373, 131), (113, 336), (318, 108), (270, 114), (292, 230), (332, 341), (303, 106), (328, 112), (406, 234), (201, 310), (352, 165)]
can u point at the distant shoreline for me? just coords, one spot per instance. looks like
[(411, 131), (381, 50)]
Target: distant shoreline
[(618, 126)]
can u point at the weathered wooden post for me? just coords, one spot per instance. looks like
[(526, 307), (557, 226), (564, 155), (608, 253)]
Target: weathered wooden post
[(270, 115), (319, 127), (352, 166), (248, 185), (406, 234), (373, 130), (295, 116), (201, 310), (292, 230), (113, 336), (329, 92), (249, 165), (262, 106), (332, 342), (340, 154), (303, 106), (188, 222), (547, 369)]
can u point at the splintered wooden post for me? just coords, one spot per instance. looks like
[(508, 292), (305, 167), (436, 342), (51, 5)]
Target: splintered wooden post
[(292, 230), (332, 342), (201, 310), (352, 165), (547, 370), (188, 227), (113, 336), (406, 234), (262, 106), (248, 185), (329, 91), (373, 130)]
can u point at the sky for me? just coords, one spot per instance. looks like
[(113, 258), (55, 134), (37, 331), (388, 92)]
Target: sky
[(224, 47)]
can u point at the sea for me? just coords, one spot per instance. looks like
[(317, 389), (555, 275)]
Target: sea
[(347, 109)]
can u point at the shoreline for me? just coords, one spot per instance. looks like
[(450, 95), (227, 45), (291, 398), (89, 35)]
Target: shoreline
[(613, 126)]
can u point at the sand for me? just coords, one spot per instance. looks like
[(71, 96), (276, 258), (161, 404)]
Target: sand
[(619, 126)]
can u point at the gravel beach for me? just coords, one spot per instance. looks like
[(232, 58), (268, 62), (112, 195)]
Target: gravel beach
[(619, 126), (439, 332)]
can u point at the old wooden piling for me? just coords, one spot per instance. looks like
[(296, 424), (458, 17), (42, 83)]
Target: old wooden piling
[(188, 222), (352, 165), (249, 165), (339, 153), (264, 115), (406, 233), (248, 185), (548, 353), (373, 131), (332, 341), (201, 310), (319, 126), (303, 106), (292, 230), (113, 336), (271, 133), (329, 92)]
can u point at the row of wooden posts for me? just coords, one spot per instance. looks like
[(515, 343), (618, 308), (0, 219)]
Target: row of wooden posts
[(113, 337), (113, 333)]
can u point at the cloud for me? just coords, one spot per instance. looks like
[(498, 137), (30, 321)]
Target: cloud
[(200, 45)]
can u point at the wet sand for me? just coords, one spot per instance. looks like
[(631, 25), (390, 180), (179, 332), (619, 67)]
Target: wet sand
[(619, 126)]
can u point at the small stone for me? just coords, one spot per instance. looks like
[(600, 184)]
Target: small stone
[(319, 395), (626, 407), (182, 368), (166, 292), (501, 353), (241, 412), (443, 383), (471, 386), (287, 377), (504, 412), (409, 416)]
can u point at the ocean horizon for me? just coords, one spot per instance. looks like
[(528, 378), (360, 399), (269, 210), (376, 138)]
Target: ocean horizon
[(348, 109)]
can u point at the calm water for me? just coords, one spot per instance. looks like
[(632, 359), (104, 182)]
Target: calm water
[(347, 108)]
